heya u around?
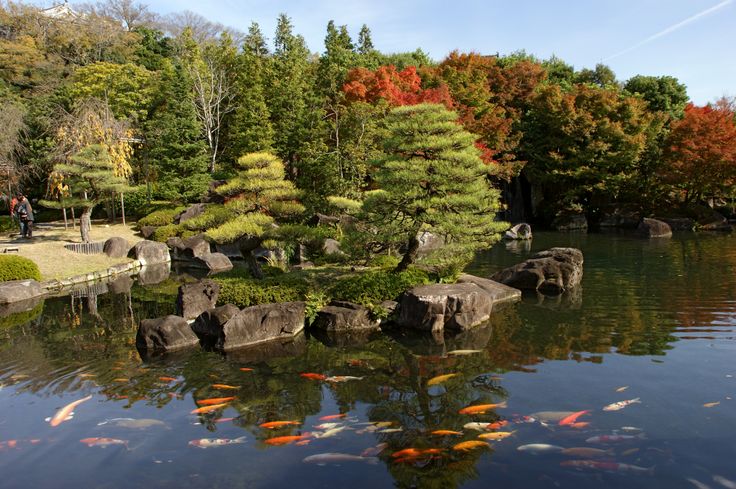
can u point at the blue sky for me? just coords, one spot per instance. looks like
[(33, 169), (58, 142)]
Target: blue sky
[(701, 51)]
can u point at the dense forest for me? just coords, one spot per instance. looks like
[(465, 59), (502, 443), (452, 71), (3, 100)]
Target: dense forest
[(174, 102)]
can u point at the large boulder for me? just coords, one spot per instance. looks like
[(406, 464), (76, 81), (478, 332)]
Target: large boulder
[(550, 272), (520, 231), (194, 299), (344, 316), (150, 252), (147, 231), (154, 274), (332, 247), (116, 247), (165, 334), (193, 210), (257, 324), (20, 290), (653, 228), (679, 223), (188, 248), (214, 262), (441, 306), (570, 222), (208, 325), (498, 292)]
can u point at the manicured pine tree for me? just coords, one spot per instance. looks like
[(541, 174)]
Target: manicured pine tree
[(432, 179)]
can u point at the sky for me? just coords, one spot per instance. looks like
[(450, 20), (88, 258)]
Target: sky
[(693, 40)]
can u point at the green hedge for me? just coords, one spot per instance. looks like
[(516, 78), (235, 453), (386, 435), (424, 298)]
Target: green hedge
[(17, 268), (161, 217), (373, 287)]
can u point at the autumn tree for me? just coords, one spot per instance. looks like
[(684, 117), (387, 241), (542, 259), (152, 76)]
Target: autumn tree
[(12, 131), (700, 152), (431, 179)]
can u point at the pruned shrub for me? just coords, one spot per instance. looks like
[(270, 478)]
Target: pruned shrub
[(18, 268), (371, 288), (161, 217)]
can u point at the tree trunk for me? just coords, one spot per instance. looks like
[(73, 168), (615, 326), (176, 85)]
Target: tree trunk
[(412, 248), (85, 223)]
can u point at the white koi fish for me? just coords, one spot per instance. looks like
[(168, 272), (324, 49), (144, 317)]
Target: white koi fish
[(327, 458), (616, 406), (216, 442), (540, 448)]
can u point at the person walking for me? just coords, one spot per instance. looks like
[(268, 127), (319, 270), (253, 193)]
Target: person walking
[(13, 204), (24, 211)]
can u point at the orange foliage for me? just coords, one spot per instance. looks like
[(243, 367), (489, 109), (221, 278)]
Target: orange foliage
[(395, 87)]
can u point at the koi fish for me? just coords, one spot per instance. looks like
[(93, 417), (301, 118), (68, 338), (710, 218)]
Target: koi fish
[(698, 484), (477, 426), (208, 409), (408, 453), (391, 430), (727, 483), (497, 436), (373, 451), (313, 376), (225, 386), (167, 379), (470, 445), (342, 378), (571, 419), (103, 442), (540, 448), (497, 425), (607, 466), (614, 438), (579, 425), (327, 458), (616, 406), (551, 416), (214, 400), (66, 413), (327, 426), (628, 452), (621, 389), (271, 425), (481, 408), (331, 432), (446, 433), (462, 352), (285, 440), (216, 442), (332, 416), (711, 404), (440, 378), (585, 452), (134, 424), (224, 420), (246, 369)]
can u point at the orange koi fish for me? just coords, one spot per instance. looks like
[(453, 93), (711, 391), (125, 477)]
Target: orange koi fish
[(440, 378), (246, 369), (121, 379), (214, 400), (579, 425), (313, 376), (497, 436), (224, 386), (285, 440), (167, 379), (407, 452), (103, 442), (497, 425), (278, 424), (64, 413), (481, 408), (332, 416), (446, 433), (470, 445), (208, 409), (568, 420)]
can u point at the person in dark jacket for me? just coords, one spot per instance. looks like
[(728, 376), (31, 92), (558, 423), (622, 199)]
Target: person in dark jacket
[(24, 211)]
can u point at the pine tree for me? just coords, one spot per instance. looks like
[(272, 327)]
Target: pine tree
[(432, 179), (91, 178)]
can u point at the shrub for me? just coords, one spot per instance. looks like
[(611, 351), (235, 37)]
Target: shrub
[(247, 224), (18, 268), (7, 224), (163, 233), (244, 292), (213, 215), (161, 217), (371, 288)]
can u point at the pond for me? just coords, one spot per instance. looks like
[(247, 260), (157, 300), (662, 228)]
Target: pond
[(652, 323)]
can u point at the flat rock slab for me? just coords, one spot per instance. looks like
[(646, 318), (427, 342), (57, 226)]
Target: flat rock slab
[(168, 333), (258, 324), (214, 262), (344, 316), (498, 292), (551, 272), (438, 307), (194, 299), (20, 290)]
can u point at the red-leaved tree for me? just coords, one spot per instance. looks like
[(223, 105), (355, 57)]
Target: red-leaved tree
[(700, 154), (395, 87)]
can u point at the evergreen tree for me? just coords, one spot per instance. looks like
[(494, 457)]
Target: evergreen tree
[(365, 42), (431, 179)]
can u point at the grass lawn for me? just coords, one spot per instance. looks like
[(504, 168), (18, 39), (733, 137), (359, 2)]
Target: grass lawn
[(56, 262)]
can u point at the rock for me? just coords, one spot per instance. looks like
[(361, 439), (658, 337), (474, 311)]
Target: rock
[(332, 247), (194, 299), (266, 254), (193, 210), (230, 250), (257, 324), (186, 249), (714, 222), (147, 231), (116, 247), (570, 222), (498, 292), (345, 339), (440, 306), (520, 231), (550, 272), (429, 242), (344, 316), (214, 262), (679, 223), (20, 290), (209, 324), (303, 266), (652, 228), (154, 274), (167, 333), (212, 197), (150, 253), (324, 220), (389, 306)]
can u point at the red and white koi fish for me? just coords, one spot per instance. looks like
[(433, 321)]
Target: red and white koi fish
[(103, 442), (216, 442), (616, 406), (614, 438), (607, 466), (67, 412)]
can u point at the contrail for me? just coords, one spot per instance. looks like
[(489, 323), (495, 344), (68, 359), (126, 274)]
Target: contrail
[(671, 28)]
